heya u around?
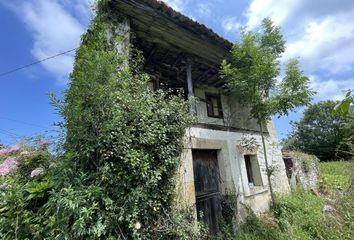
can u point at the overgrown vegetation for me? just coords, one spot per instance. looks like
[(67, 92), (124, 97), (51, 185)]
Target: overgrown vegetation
[(328, 136), (301, 214), (122, 148), (24, 189), (336, 176)]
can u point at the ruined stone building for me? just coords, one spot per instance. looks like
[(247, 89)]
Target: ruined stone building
[(182, 54)]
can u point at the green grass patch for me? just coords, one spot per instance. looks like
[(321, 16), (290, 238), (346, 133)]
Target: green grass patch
[(299, 214), (336, 175)]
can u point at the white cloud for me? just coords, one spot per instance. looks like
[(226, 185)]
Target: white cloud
[(320, 32), (204, 10), (326, 44), (54, 30), (178, 5), (276, 10), (330, 89), (231, 24)]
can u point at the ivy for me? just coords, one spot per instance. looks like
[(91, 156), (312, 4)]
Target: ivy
[(114, 176), (124, 142)]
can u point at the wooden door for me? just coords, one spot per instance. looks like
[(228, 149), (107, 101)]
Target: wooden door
[(207, 188)]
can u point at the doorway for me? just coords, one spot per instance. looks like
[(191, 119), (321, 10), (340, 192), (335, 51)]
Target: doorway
[(207, 188)]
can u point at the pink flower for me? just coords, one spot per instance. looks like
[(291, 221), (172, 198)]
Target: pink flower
[(4, 151), (43, 143), (9, 165), (37, 172), (15, 148)]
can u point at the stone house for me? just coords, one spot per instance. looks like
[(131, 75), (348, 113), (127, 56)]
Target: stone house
[(181, 54)]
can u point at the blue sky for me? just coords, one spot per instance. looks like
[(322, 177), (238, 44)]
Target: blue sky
[(319, 32)]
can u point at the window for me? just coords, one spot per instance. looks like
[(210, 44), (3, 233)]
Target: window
[(213, 105), (253, 172)]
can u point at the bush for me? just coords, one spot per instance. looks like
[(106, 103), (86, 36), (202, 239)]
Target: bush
[(24, 189)]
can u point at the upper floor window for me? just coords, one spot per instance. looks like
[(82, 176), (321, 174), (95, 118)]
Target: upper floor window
[(214, 107)]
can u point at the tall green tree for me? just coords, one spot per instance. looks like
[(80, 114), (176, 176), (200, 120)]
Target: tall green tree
[(328, 136), (252, 75)]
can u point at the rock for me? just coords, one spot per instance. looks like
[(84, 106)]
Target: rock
[(302, 170), (328, 209), (330, 201)]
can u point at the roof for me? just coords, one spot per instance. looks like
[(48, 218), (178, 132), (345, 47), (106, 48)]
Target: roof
[(157, 9), (187, 22), (168, 39)]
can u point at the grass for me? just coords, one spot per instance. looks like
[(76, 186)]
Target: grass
[(300, 215), (335, 175)]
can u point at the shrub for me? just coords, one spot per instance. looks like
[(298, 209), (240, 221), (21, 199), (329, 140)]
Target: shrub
[(24, 190)]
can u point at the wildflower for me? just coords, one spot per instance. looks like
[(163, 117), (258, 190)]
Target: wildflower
[(15, 148), (37, 172), (43, 143), (4, 151), (9, 165), (137, 225)]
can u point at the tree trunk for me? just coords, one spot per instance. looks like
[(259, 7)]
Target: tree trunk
[(267, 166)]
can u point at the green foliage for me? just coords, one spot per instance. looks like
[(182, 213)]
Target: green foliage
[(123, 146), (300, 215), (252, 73), (320, 133), (344, 107), (302, 211), (24, 195), (337, 182), (254, 228), (114, 177)]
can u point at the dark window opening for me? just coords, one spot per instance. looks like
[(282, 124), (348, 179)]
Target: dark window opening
[(214, 107), (253, 171), (249, 169)]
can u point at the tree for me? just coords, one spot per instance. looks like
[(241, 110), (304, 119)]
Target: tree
[(344, 107), (321, 133), (252, 73)]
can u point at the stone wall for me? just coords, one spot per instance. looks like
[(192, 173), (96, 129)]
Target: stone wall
[(302, 170), (232, 166)]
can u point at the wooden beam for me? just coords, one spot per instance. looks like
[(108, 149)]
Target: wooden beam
[(164, 30), (165, 56), (177, 59), (203, 75), (153, 50), (189, 79)]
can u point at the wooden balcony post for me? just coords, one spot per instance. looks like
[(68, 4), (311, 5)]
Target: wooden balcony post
[(189, 79)]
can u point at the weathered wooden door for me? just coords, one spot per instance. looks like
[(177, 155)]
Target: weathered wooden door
[(207, 188)]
